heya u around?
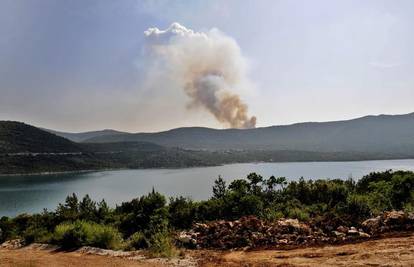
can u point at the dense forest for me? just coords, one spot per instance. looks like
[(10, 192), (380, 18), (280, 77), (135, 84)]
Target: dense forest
[(150, 221)]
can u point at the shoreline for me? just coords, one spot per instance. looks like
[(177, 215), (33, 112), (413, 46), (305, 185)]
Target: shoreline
[(188, 167)]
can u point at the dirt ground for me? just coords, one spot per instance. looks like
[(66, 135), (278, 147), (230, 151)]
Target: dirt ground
[(34, 258), (392, 251)]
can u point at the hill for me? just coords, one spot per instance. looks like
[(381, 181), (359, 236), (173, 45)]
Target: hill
[(27, 149), (17, 137), (80, 137), (388, 134)]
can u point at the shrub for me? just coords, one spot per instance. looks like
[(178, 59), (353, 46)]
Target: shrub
[(137, 241), (136, 214), (297, 213), (159, 236), (272, 214), (402, 189), (380, 197), (82, 233), (6, 229), (356, 208), (161, 245), (36, 234), (181, 212)]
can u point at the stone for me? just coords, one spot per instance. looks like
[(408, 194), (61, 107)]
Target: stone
[(364, 235), (342, 229), (353, 231), (394, 217), (372, 225), (13, 244), (338, 234), (186, 238)]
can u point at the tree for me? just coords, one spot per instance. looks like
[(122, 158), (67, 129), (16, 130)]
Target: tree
[(87, 208), (69, 210), (255, 180), (219, 188), (239, 186), (103, 210)]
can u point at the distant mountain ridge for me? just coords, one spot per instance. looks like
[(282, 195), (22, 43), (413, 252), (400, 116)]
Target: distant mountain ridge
[(28, 149), (391, 134), (83, 136)]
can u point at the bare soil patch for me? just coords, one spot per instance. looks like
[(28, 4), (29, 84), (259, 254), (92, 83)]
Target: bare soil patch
[(391, 251), (388, 251)]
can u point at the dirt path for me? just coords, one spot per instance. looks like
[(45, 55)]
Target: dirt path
[(396, 251), (392, 251)]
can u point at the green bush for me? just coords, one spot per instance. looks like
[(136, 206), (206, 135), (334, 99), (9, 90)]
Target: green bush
[(7, 229), (357, 208), (272, 215), (137, 241), (297, 213), (83, 233), (38, 235), (136, 214), (161, 245), (380, 197), (181, 212)]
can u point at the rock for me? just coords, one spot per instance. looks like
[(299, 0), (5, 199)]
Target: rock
[(342, 229), (186, 238), (372, 225), (364, 235), (338, 234), (353, 231), (13, 244), (294, 225), (283, 241), (394, 217)]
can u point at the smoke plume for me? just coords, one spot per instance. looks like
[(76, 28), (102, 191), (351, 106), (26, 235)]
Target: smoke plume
[(208, 66)]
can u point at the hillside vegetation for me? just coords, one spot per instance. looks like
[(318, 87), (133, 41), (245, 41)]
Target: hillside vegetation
[(27, 149), (387, 134), (81, 137), (17, 137)]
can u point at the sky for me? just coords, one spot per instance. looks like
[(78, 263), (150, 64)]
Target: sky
[(80, 65)]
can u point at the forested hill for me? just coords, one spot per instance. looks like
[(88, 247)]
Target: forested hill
[(17, 137), (390, 134), (81, 137), (27, 149)]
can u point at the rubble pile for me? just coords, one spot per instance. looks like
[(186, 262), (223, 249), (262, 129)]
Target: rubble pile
[(252, 232), (389, 221)]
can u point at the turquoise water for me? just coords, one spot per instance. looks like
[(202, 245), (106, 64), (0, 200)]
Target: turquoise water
[(30, 194)]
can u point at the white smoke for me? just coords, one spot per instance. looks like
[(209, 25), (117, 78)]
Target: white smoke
[(208, 66)]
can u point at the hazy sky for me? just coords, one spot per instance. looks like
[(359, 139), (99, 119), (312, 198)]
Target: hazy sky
[(77, 65)]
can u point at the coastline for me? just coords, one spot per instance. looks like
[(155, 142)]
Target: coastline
[(188, 167)]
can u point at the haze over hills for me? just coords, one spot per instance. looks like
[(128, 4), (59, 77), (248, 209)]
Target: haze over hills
[(390, 134)]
